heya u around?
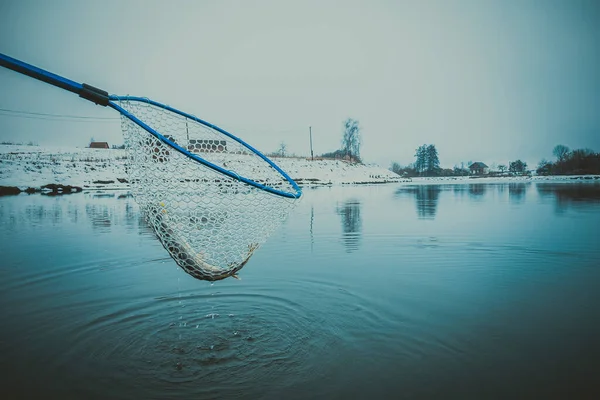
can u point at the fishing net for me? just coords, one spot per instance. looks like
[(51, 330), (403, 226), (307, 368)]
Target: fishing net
[(209, 222)]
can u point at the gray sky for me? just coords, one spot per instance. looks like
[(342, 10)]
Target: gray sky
[(488, 81)]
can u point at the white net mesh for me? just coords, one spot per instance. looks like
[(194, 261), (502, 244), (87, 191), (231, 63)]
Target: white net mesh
[(210, 223)]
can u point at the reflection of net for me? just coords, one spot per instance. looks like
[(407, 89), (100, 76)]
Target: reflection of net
[(210, 223)]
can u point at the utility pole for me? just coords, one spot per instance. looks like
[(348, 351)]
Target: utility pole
[(312, 158), (187, 133)]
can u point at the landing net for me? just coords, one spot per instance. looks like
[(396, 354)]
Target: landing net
[(209, 222)]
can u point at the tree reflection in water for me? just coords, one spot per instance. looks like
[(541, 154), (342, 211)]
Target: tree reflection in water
[(349, 212), (570, 195), (516, 192), (477, 190), (426, 199)]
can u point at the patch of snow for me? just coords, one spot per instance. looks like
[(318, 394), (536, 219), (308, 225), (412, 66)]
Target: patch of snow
[(95, 169), (35, 166)]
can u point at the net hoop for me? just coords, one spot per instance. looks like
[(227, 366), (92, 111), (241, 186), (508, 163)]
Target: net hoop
[(289, 194), (192, 183)]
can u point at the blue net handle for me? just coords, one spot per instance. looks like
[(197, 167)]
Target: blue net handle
[(101, 97)]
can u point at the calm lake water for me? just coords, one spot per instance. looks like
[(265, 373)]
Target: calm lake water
[(391, 291)]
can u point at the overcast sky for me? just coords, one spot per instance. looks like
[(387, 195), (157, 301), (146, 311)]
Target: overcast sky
[(487, 81)]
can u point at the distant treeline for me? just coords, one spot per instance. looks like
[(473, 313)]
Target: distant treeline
[(410, 171), (427, 163), (575, 162)]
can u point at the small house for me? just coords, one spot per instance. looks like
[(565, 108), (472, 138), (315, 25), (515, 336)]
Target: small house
[(99, 145), (478, 168)]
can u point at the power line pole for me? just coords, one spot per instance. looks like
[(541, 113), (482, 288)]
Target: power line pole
[(187, 133), (312, 158)]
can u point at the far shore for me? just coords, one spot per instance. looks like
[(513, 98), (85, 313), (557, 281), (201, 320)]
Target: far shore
[(32, 169), (61, 189), (438, 180)]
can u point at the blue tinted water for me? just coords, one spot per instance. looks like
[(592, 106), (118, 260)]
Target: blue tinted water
[(397, 291)]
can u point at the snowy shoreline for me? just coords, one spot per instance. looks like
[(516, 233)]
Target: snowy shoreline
[(104, 169)]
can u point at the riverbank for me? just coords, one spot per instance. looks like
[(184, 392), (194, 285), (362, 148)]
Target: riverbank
[(35, 168), (505, 179), (104, 169)]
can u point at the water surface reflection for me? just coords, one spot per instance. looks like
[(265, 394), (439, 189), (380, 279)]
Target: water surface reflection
[(570, 195), (517, 191), (477, 190), (426, 198), (428, 286), (351, 219)]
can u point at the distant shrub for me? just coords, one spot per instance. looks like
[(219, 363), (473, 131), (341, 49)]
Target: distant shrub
[(341, 155), (408, 171)]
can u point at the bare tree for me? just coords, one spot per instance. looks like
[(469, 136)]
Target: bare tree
[(560, 151), (502, 168), (544, 167), (282, 150), (351, 139)]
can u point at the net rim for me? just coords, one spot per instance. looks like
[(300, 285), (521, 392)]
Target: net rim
[(293, 195)]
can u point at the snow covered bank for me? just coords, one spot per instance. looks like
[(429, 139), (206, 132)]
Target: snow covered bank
[(95, 169), (334, 172), (33, 166), (104, 169)]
